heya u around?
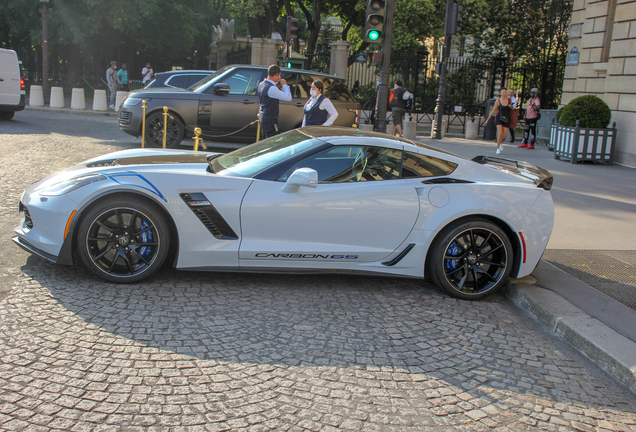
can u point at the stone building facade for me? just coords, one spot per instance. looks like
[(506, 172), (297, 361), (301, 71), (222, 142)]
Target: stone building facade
[(603, 37)]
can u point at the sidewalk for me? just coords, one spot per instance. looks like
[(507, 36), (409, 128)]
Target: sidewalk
[(595, 207)]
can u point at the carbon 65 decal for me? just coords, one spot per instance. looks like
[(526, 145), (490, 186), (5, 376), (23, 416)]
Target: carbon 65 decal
[(305, 256)]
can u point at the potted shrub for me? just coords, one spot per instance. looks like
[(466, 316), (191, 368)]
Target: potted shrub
[(581, 133)]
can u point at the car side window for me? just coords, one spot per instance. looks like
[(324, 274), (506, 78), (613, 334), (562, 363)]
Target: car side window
[(341, 164), (193, 79), (336, 90), (243, 81), (417, 165), (178, 81), (297, 85)]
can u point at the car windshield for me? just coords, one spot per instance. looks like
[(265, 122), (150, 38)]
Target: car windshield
[(249, 161), (200, 84)]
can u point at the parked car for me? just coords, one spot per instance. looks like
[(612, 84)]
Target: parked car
[(178, 78), (225, 102), (12, 92), (313, 199)]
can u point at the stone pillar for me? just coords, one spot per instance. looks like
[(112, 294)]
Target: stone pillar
[(270, 51), (339, 58), (257, 52), (213, 52), (221, 55)]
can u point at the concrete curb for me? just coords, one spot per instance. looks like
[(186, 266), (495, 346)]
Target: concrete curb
[(612, 352), (72, 111)]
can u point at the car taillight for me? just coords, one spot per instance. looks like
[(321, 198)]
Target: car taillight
[(22, 84)]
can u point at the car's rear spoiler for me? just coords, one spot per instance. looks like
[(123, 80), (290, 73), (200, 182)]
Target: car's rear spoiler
[(542, 178)]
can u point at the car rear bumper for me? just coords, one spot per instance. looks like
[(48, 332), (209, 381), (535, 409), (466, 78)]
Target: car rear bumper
[(19, 107)]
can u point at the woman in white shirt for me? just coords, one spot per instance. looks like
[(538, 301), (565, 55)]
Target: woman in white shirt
[(319, 111)]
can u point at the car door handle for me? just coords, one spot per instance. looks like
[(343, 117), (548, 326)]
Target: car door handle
[(1, 79), (299, 104), (248, 102)]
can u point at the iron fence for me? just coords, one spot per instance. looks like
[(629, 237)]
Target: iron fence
[(242, 54)]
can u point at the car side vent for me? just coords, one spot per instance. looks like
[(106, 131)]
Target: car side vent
[(209, 216), (445, 180), (398, 258)]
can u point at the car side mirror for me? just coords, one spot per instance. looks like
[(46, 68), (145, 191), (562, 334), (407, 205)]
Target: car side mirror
[(301, 177), (221, 88)]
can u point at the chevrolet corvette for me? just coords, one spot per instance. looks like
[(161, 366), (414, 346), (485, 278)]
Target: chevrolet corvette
[(312, 200)]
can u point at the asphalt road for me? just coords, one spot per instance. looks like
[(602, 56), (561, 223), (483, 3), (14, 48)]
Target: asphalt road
[(223, 351)]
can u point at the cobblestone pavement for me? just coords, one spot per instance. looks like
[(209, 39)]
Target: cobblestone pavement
[(221, 351)]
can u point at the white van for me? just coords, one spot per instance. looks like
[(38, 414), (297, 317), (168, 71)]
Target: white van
[(12, 93)]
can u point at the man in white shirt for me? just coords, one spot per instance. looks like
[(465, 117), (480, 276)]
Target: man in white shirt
[(146, 74), (269, 97)]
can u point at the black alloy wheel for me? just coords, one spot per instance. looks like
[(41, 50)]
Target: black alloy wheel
[(471, 260), (123, 240), (154, 131)]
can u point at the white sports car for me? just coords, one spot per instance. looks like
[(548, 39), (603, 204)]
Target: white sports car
[(310, 200)]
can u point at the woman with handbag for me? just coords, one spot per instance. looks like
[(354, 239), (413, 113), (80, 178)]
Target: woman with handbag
[(501, 111)]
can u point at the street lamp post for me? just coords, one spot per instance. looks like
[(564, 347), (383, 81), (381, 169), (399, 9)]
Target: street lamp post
[(45, 46), (383, 93)]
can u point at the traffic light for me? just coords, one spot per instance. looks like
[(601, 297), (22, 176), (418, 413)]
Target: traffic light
[(454, 18), (374, 27), (292, 28), (376, 59)]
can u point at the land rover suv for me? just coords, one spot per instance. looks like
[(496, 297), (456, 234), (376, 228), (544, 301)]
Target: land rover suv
[(225, 102)]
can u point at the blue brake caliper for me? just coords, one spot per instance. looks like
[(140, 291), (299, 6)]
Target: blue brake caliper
[(145, 238), (453, 250)]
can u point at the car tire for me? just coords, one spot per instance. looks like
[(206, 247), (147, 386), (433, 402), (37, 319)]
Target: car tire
[(471, 259), (123, 240), (154, 131), (6, 115)]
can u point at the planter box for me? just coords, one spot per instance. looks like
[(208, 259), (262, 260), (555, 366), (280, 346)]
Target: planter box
[(581, 144)]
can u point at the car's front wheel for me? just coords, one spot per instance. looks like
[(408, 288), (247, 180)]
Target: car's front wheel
[(471, 259), (123, 240), (154, 130)]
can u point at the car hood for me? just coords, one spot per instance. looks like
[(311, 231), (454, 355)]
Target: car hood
[(124, 158)]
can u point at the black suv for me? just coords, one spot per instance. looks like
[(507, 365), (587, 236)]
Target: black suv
[(225, 102)]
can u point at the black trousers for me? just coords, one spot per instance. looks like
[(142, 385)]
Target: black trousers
[(269, 128), (531, 129)]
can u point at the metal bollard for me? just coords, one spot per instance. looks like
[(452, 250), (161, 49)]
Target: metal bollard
[(143, 123), (258, 130), (197, 132), (165, 125)]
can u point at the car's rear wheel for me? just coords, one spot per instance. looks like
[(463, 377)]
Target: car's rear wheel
[(154, 131), (123, 240), (471, 259), (6, 115)]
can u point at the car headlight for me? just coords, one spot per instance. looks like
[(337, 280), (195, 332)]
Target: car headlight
[(70, 185), (132, 101)]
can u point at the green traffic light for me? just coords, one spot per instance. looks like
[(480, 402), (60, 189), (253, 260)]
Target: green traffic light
[(374, 35)]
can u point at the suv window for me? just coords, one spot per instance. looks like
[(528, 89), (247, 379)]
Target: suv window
[(336, 90), (417, 165), (340, 164), (243, 81), (177, 81), (193, 79), (297, 85)]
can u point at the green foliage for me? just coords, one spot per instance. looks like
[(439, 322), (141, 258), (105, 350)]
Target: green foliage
[(557, 118), (591, 112)]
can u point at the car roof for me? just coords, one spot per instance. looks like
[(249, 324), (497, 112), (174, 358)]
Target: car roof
[(174, 72), (291, 70), (339, 135)]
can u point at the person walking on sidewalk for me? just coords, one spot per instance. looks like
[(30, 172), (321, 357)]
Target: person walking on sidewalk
[(113, 82), (269, 96), (501, 111), (532, 116), (399, 96)]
